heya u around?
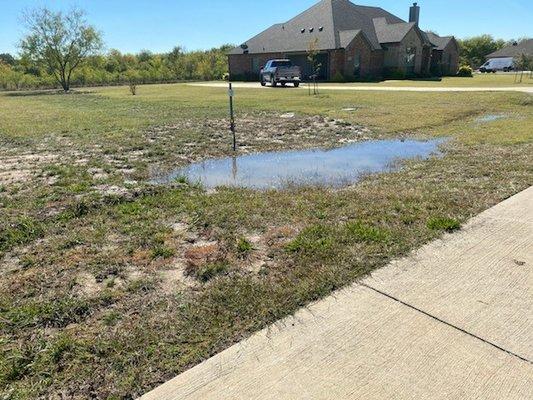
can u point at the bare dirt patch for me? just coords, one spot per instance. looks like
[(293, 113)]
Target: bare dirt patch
[(254, 131), (16, 169)]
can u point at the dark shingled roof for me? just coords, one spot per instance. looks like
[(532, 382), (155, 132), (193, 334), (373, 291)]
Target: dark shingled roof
[(524, 47), (440, 42), (346, 37), (391, 33), (340, 20)]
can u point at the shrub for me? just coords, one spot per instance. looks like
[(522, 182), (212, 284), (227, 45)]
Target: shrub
[(465, 71), (395, 74), (132, 77), (338, 78)]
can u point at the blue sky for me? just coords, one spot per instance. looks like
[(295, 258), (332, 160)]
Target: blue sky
[(159, 25)]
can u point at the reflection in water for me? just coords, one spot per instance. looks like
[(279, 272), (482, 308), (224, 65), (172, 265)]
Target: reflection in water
[(337, 167), (234, 168)]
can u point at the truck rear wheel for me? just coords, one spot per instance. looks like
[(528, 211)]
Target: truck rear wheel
[(296, 84)]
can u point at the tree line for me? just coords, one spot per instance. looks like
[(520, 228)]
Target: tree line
[(61, 49), (116, 68), (473, 51)]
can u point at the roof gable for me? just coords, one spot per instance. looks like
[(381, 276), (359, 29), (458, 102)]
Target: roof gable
[(348, 16), (347, 37), (440, 42), (391, 33)]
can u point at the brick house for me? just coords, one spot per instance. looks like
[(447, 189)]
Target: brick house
[(445, 55), (353, 42)]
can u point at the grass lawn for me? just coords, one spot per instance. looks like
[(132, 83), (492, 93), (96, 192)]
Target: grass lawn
[(478, 80), (110, 286)]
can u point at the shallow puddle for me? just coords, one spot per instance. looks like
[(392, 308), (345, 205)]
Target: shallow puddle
[(490, 118), (333, 168)]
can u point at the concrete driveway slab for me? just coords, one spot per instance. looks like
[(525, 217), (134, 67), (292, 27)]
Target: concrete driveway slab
[(357, 345), (480, 279)]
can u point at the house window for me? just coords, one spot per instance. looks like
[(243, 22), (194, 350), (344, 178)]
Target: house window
[(410, 58), (357, 64)]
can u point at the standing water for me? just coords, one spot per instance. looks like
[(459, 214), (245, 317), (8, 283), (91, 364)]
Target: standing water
[(334, 168), (490, 118)]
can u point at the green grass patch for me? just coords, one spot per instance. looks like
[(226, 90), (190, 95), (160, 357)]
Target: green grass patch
[(209, 271), (161, 251), (443, 224), (244, 247), (366, 233), (55, 314), (21, 231), (316, 240)]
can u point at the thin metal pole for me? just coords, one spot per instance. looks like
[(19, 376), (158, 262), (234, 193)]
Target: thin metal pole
[(232, 118)]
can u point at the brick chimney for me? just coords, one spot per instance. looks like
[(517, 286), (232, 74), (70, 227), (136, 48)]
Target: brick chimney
[(414, 13)]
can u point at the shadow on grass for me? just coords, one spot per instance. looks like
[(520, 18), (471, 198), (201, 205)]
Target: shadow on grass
[(47, 92)]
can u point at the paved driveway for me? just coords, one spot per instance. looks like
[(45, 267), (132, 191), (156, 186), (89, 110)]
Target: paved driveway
[(452, 321), (252, 85)]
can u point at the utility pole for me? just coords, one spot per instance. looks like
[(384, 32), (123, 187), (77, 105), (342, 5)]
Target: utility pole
[(232, 117)]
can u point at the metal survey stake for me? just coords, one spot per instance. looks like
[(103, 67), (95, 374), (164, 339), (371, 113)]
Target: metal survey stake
[(232, 118)]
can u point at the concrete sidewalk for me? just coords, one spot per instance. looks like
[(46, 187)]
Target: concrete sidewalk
[(452, 321), (325, 86)]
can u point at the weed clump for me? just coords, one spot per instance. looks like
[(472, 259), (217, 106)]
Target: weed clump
[(21, 232), (315, 240), (443, 224), (54, 314), (209, 271), (366, 233), (244, 247), (162, 251)]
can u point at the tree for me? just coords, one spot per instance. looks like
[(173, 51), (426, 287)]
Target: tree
[(7, 59), (523, 62), (59, 41), (312, 58), (474, 50)]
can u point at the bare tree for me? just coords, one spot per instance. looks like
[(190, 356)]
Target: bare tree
[(312, 58), (523, 62), (59, 41), (132, 78)]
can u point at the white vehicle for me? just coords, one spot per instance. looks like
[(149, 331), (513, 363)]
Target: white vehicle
[(498, 64)]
